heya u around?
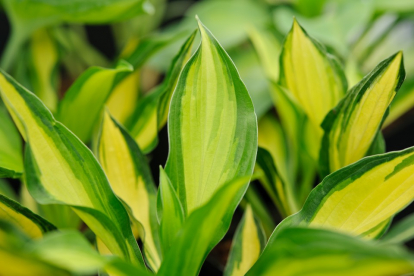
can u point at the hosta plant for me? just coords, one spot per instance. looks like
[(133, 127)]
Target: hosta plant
[(85, 165)]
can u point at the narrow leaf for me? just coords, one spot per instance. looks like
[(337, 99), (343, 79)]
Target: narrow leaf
[(60, 169), (83, 102), (350, 128), (31, 224), (212, 126), (401, 232), (248, 243), (268, 49), (43, 68), (131, 180), (170, 212)]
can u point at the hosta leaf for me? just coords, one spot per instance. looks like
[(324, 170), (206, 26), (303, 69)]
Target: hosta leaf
[(70, 250), (351, 127), (401, 232), (304, 251), (15, 262), (44, 59), (31, 224), (312, 75), (83, 102), (361, 198), (151, 113), (248, 243), (170, 212), (268, 49), (210, 222), (212, 126), (272, 138), (90, 11), (124, 98), (270, 178), (11, 154), (131, 180), (402, 103), (27, 16), (60, 169)]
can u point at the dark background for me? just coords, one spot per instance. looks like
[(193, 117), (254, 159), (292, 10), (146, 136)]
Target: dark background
[(398, 136)]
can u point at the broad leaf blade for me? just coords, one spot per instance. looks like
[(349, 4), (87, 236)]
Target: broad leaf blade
[(351, 127), (31, 224), (248, 243), (83, 102), (304, 251), (207, 222), (61, 169), (131, 180), (212, 126)]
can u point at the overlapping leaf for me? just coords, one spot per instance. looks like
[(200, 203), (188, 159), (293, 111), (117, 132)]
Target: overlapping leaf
[(210, 222), (131, 180), (82, 105), (28, 222), (170, 212), (248, 243), (60, 169), (313, 77), (361, 198), (11, 154), (304, 251), (351, 127), (151, 113)]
